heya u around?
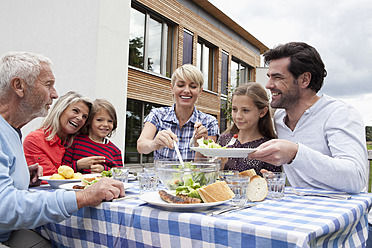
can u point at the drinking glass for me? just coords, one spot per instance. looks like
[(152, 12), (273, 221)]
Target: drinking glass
[(223, 174), (275, 184), (148, 181), (239, 185), (120, 173)]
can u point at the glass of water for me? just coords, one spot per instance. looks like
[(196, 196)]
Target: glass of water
[(275, 184), (148, 181), (239, 185), (120, 173)]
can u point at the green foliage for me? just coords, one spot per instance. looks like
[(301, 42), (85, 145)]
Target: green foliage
[(135, 52), (227, 105), (368, 133)]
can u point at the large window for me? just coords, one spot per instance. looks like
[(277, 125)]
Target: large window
[(205, 63), (187, 47), (150, 43), (136, 112), (240, 73), (224, 73)]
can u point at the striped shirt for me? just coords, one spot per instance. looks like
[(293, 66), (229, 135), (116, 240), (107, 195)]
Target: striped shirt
[(165, 118), (83, 147)]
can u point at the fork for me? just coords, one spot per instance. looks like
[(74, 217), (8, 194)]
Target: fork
[(191, 143), (229, 209), (333, 196)]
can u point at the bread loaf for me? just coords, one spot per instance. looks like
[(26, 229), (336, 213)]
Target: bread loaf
[(218, 191), (248, 173), (257, 189)]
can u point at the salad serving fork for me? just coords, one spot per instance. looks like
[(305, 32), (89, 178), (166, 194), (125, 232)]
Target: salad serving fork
[(329, 195)]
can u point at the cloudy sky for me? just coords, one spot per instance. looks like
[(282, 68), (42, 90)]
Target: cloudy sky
[(341, 31)]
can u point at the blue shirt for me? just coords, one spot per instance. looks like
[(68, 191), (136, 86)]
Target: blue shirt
[(18, 207), (165, 118)]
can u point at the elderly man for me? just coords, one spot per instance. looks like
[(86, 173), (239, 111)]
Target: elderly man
[(27, 91), (321, 139)]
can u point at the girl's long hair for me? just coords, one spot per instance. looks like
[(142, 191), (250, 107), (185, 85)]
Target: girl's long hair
[(259, 96)]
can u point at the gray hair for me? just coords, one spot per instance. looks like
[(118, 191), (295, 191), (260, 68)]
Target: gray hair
[(51, 122), (24, 65)]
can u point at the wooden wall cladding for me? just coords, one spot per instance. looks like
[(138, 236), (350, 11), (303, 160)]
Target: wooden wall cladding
[(147, 87)]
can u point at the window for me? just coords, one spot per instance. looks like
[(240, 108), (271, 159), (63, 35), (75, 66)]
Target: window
[(187, 47), (205, 63), (150, 43), (240, 73), (224, 72), (136, 113)]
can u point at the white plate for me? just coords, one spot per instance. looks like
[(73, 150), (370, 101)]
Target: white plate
[(55, 183), (154, 199), (69, 186), (224, 152), (131, 177)]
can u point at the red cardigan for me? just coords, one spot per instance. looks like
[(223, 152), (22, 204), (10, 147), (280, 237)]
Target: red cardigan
[(48, 154)]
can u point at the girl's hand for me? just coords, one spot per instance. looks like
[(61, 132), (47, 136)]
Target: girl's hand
[(87, 162), (97, 168), (163, 139)]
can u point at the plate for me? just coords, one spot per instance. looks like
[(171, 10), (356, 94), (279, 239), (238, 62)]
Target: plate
[(69, 186), (55, 183), (153, 198), (224, 152), (131, 177)]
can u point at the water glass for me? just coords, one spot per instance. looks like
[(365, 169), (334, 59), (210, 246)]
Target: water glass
[(120, 173), (148, 181), (275, 184), (239, 185), (223, 174)]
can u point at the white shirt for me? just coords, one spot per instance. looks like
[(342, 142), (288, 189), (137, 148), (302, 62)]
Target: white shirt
[(332, 152)]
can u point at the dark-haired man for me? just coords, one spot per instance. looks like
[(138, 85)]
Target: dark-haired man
[(321, 139)]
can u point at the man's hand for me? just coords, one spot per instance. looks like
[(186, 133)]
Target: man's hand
[(105, 189), (276, 152), (36, 171)]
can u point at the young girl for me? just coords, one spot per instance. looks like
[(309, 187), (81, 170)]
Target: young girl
[(252, 126), (93, 141)]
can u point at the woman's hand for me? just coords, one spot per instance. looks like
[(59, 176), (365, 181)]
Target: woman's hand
[(163, 139), (88, 162), (200, 132)]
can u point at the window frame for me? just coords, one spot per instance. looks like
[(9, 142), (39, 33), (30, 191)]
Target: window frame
[(167, 27)]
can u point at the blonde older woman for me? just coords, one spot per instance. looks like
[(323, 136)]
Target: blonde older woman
[(47, 145), (180, 121)]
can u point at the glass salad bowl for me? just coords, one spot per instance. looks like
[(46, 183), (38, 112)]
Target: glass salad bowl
[(202, 171)]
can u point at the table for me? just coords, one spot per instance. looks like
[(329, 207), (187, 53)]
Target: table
[(293, 221)]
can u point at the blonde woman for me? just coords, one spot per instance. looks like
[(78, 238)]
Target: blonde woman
[(180, 121), (46, 145)]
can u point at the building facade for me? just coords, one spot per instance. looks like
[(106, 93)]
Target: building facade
[(167, 34)]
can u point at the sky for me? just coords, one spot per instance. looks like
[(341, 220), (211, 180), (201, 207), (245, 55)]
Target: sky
[(341, 31)]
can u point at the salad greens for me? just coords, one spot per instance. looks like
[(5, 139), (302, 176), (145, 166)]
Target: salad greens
[(207, 143), (106, 173), (190, 188)]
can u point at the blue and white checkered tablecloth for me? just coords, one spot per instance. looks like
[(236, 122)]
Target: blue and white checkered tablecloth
[(293, 221)]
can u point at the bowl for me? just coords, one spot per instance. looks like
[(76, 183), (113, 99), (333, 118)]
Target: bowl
[(55, 183), (172, 174)]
